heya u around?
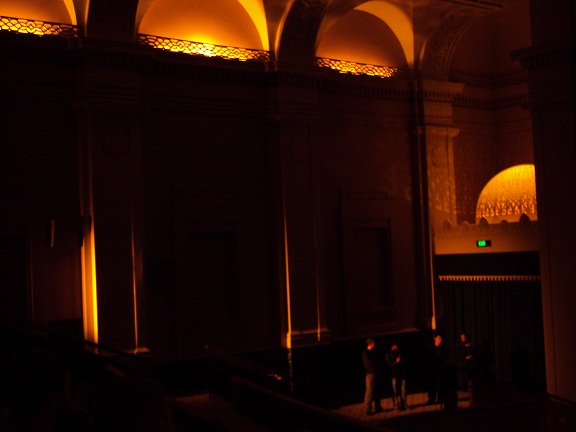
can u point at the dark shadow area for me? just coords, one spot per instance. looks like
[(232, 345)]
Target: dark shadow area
[(284, 391), (509, 417)]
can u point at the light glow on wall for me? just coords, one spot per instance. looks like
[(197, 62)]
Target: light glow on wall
[(71, 11), (59, 11), (255, 9), (89, 290), (398, 20), (237, 23), (508, 195)]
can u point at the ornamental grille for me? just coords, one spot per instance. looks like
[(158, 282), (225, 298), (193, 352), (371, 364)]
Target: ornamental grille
[(354, 68), (39, 28), (509, 195), (44, 28), (204, 49)]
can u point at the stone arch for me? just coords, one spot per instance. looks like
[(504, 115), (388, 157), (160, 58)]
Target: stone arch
[(440, 41), (484, 49)]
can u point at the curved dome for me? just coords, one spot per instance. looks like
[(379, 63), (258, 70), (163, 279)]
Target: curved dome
[(58, 11), (509, 195), (364, 38), (221, 22)]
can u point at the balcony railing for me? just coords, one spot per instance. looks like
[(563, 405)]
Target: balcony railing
[(39, 28), (204, 49), (353, 68)]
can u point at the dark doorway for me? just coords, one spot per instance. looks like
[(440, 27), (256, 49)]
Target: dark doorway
[(13, 278), (497, 300)]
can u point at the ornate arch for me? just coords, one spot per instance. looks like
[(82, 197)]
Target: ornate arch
[(436, 55)]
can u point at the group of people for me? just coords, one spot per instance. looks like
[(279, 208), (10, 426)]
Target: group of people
[(442, 375), (373, 362)]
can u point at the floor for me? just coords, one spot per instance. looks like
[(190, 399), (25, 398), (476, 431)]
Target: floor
[(216, 408), (416, 405), (219, 409)]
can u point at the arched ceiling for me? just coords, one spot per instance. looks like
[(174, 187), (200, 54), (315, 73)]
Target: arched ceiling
[(221, 22), (363, 38), (57, 11), (434, 37), (484, 49), (399, 19)]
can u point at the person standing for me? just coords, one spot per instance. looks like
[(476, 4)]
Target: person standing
[(471, 359), (372, 367), (438, 356), (395, 361)]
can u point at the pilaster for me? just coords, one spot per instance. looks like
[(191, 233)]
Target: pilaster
[(294, 100), (434, 168), (436, 135), (551, 68), (110, 159)]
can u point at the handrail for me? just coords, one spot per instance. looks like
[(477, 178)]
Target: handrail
[(246, 364), (51, 332)]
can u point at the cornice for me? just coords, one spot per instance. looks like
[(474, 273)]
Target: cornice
[(490, 82), (365, 86), (368, 195), (488, 5), (489, 278), (492, 104), (536, 57)]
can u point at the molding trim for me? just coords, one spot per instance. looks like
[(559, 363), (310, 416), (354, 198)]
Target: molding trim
[(489, 278)]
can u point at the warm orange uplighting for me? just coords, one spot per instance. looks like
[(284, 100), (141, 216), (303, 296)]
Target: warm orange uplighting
[(204, 49), (353, 68), (509, 195), (400, 21), (39, 28), (89, 292)]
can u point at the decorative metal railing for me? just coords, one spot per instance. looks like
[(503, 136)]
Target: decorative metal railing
[(44, 28), (204, 49), (39, 28), (353, 68)]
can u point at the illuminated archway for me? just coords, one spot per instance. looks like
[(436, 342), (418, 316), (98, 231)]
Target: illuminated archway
[(235, 23), (375, 32), (508, 195), (398, 20), (56, 11)]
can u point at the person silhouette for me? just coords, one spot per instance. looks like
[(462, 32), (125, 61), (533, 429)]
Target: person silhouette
[(372, 367), (438, 356), (395, 361)]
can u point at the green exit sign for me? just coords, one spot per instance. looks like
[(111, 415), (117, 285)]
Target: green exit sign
[(483, 243)]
